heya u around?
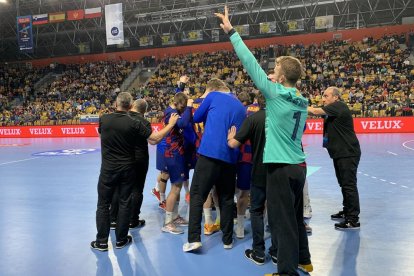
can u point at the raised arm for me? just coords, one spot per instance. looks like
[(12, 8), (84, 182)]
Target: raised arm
[(156, 137)]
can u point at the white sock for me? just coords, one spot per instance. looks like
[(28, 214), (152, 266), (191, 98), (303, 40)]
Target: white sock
[(168, 217), (162, 197), (208, 218), (240, 221), (175, 210), (187, 188), (217, 215), (157, 186)]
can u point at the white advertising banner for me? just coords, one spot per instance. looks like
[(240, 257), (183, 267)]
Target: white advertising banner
[(114, 24)]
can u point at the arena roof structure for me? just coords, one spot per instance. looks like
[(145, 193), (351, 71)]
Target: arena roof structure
[(155, 18)]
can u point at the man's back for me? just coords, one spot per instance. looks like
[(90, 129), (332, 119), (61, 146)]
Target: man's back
[(219, 111)]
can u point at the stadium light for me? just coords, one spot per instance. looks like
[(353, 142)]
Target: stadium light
[(3, 1)]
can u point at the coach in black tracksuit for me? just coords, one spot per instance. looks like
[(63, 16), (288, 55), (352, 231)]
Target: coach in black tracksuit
[(119, 133), (340, 140)]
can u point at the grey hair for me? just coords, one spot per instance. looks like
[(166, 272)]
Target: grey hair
[(124, 100), (140, 106), (335, 91)]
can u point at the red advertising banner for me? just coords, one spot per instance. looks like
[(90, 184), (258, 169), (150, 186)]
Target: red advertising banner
[(369, 125), (313, 126)]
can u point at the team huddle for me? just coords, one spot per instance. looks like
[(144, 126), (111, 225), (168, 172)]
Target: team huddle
[(250, 145)]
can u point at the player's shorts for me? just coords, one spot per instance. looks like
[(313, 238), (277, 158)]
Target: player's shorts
[(244, 175), (160, 161), (176, 168)]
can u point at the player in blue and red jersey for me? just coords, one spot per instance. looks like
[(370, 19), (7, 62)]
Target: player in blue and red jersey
[(175, 161)]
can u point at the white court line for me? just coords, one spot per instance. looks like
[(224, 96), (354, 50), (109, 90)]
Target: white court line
[(390, 152), (403, 144), (383, 180), (17, 161), (366, 174), (374, 177), (404, 186), (393, 183)]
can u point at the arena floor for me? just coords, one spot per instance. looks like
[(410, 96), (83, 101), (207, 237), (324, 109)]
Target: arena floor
[(48, 203)]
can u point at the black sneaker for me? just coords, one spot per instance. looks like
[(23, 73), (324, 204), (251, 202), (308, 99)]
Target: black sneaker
[(249, 253), (113, 225), (138, 224), (124, 243), (274, 259), (99, 246), (338, 216), (348, 225)]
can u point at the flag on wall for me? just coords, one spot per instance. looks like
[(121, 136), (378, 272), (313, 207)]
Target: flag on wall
[(40, 19), (76, 15), (57, 17), (93, 13)]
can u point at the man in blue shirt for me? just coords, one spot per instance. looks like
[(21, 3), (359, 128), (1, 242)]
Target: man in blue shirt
[(216, 164)]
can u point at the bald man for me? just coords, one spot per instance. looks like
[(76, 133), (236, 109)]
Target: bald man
[(340, 140)]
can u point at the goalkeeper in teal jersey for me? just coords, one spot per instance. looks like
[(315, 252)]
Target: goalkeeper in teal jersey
[(286, 113)]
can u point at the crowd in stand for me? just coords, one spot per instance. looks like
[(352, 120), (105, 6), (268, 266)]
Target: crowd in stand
[(376, 78)]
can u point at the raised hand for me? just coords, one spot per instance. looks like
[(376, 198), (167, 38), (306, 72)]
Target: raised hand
[(173, 119), (225, 25)]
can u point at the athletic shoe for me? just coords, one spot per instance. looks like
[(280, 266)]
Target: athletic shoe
[(122, 244), (191, 246), (274, 259), (348, 225), (172, 229), (137, 224), (338, 216), (240, 232), (308, 228), (99, 246), (228, 246), (180, 221), (211, 229), (156, 193), (162, 205), (113, 225), (249, 254), (272, 274), (306, 268), (187, 198)]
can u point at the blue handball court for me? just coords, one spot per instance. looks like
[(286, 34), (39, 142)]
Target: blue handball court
[(48, 200)]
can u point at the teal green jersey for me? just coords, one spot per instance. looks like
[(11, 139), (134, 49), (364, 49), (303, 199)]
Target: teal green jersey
[(286, 111)]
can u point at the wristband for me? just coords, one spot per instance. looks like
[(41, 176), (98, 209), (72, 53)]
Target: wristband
[(231, 32)]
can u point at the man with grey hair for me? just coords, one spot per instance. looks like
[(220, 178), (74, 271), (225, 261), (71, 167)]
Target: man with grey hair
[(340, 140), (119, 133)]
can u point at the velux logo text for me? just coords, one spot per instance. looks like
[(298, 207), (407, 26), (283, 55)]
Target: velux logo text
[(40, 131), (10, 131), (314, 125), (73, 130), (388, 124)]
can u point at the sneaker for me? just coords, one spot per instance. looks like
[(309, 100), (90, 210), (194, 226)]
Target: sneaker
[(180, 221), (172, 229), (272, 274), (124, 243), (306, 268), (210, 229), (113, 225), (249, 254), (138, 224), (228, 246), (308, 228), (240, 232), (338, 216), (191, 246), (162, 205), (348, 225), (156, 193), (99, 246), (274, 259), (187, 198)]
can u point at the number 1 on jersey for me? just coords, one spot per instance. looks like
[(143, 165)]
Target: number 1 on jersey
[(296, 116)]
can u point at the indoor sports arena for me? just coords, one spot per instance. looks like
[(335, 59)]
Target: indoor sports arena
[(182, 137)]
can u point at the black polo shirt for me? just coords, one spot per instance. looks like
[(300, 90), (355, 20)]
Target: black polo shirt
[(119, 133), (338, 131), (253, 129), (141, 144)]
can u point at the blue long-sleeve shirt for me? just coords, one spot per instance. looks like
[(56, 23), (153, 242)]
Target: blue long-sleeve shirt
[(219, 111)]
